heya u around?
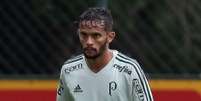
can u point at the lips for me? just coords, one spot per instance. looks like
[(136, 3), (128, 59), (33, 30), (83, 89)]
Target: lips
[(90, 51)]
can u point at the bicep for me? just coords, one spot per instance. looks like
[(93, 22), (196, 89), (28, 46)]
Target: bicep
[(63, 92), (140, 86), (60, 89)]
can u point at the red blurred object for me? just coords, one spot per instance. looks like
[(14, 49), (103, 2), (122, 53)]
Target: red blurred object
[(176, 95), (27, 95), (50, 95)]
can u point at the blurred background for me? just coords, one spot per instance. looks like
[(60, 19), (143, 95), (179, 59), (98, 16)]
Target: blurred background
[(38, 36)]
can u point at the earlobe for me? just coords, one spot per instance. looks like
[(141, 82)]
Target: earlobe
[(111, 36)]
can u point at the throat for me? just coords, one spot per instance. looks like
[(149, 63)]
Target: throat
[(96, 67), (98, 64)]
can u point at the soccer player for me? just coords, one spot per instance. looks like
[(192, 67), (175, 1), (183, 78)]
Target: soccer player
[(100, 73)]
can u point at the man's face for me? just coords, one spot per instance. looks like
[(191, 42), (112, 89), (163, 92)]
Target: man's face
[(94, 39)]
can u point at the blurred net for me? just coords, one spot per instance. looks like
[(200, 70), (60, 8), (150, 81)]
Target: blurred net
[(37, 36)]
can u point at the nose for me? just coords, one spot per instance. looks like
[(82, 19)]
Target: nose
[(89, 41)]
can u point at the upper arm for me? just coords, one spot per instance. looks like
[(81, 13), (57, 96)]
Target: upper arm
[(63, 92), (60, 88), (140, 86)]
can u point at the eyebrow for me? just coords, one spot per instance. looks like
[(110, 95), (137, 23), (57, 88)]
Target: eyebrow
[(83, 32)]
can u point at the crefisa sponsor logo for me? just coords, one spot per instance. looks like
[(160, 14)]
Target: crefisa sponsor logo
[(124, 69)]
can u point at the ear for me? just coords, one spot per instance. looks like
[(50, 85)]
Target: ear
[(111, 36)]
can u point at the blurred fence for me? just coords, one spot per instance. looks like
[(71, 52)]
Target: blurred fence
[(37, 36)]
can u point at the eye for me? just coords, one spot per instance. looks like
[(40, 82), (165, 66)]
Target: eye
[(83, 34), (96, 35)]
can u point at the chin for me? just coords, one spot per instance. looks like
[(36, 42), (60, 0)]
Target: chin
[(91, 57)]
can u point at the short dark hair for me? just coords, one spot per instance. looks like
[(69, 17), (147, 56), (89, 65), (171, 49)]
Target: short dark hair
[(98, 13)]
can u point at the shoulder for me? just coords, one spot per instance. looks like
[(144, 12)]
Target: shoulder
[(74, 59), (125, 60), (131, 63), (122, 58)]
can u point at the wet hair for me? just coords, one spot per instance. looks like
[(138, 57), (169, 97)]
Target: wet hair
[(100, 14)]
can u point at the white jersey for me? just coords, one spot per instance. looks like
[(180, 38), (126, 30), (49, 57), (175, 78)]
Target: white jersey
[(122, 79)]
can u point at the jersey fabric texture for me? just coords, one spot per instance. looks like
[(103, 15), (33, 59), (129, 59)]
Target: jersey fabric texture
[(122, 79)]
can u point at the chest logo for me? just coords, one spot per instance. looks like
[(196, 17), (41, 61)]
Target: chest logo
[(112, 87), (78, 89)]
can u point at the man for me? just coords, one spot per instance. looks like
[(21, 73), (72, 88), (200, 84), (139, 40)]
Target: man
[(101, 74)]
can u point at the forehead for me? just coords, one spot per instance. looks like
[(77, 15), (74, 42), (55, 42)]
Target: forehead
[(92, 26)]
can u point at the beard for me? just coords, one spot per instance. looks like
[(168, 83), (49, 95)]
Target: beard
[(92, 53)]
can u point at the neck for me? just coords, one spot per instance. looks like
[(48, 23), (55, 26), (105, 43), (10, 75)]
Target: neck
[(97, 64)]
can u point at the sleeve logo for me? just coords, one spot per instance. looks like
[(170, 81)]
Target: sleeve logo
[(61, 88), (138, 89)]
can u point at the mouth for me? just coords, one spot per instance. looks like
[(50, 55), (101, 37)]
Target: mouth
[(89, 51)]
